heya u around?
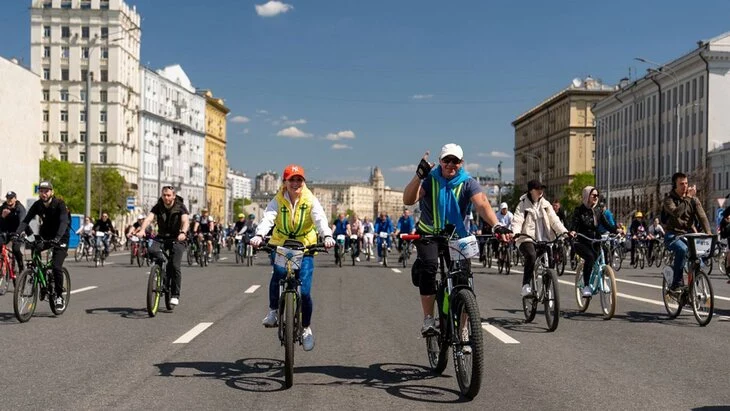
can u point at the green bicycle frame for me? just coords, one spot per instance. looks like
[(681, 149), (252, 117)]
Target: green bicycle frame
[(39, 267)]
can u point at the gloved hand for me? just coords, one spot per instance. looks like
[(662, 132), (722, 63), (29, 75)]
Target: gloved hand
[(424, 167), (329, 242), (256, 241), (500, 229)]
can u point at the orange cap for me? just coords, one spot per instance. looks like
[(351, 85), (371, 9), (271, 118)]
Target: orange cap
[(293, 170)]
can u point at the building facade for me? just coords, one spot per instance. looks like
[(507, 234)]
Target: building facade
[(216, 164), (554, 141), (238, 186), (172, 137), (664, 122), (19, 88), (73, 39), (267, 183)]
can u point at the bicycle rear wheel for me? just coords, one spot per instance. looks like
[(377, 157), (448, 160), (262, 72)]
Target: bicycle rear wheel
[(672, 304), (25, 296), (581, 302), (437, 346), (154, 289), (79, 251), (702, 297), (507, 262), (551, 299), (469, 351), (4, 277), (608, 293), (289, 305), (66, 291)]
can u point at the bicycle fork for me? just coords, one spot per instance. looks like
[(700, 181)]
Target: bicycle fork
[(283, 291)]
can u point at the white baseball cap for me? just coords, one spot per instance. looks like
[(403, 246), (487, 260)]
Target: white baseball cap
[(503, 206), (452, 149)]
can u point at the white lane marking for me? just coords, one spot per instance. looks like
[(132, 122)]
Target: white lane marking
[(659, 287), (499, 334), (395, 270), (194, 332), (252, 289), (108, 262), (81, 290), (223, 258)]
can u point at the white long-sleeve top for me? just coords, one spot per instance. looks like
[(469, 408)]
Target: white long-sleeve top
[(318, 216), (86, 229)]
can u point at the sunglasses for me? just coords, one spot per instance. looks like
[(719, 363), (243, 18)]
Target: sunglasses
[(451, 160), (168, 188), (295, 180), (594, 195)]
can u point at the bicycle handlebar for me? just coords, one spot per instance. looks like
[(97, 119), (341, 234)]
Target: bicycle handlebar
[(314, 248), (598, 240), (560, 236)]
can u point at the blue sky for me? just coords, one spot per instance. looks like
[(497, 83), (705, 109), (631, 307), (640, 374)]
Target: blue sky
[(384, 81)]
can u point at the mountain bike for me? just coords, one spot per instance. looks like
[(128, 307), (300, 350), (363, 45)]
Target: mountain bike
[(698, 290), (602, 281), (504, 256), (158, 282), (459, 324), (38, 278), (99, 253), (383, 246), (544, 285), (289, 256), (7, 263), (84, 249)]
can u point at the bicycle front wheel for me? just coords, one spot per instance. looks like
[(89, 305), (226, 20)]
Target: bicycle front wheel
[(529, 303), (582, 302), (608, 292), (4, 277), (66, 293), (551, 299), (672, 303), (79, 251), (469, 351), (289, 306), (25, 296), (190, 255), (702, 297), (154, 289)]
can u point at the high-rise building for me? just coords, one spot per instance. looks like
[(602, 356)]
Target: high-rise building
[(267, 182), (216, 165), (73, 39)]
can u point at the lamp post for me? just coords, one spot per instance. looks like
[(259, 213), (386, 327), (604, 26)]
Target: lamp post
[(537, 157)]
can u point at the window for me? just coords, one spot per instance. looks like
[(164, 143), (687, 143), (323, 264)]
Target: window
[(46, 51), (674, 97), (64, 74), (65, 53), (104, 53), (102, 137), (694, 123), (84, 74), (104, 4), (46, 95), (82, 136), (82, 95), (45, 136), (694, 89), (46, 74), (686, 93), (64, 115), (82, 115), (65, 32), (102, 157), (64, 136), (47, 4), (104, 32), (64, 156), (102, 116), (45, 115), (85, 4), (103, 96), (46, 31), (85, 53), (64, 95), (85, 32), (82, 157), (702, 86), (681, 93), (105, 75), (66, 4)]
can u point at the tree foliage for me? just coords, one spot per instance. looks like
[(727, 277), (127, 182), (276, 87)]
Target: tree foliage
[(574, 191), (513, 198), (238, 204)]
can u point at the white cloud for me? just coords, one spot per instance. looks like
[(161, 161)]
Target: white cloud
[(338, 146), (410, 168), (505, 170), (293, 132), (259, 111), (421, 96), (272, 8), (495, 154), (240, 119), (296, 122), (246, 131), (341, 135), (472, 166)]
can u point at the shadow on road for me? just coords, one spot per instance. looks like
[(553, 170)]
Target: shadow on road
[(124, 312), (266, 375), (518, 323)]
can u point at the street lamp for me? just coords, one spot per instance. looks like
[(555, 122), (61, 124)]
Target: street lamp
[(539, 159)]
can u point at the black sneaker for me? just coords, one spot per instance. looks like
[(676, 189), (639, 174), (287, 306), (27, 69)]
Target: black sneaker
[(60, 304)]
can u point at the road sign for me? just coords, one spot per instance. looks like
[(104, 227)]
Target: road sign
[(130, 203), (720, 201), (35, 188)]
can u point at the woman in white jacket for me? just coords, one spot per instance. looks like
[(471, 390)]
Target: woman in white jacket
[(535, 217)]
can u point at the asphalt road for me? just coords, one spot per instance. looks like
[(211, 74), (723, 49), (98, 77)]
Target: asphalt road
[(106, 353)]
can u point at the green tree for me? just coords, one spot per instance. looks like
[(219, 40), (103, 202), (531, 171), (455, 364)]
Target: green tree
[(247, 201), (572, 195), (238, 204), (513, 198)]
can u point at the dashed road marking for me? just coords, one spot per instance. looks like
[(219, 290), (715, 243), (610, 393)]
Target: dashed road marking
[(252, 289), (395, 270), (499, 334), (223, 258), (81, 290), (194, 332)]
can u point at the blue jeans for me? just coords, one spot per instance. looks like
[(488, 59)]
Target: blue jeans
[(305, 277), (380, 241), (679, 248)]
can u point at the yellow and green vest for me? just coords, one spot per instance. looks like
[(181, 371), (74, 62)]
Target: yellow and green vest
[(433, 225), (295, 224)]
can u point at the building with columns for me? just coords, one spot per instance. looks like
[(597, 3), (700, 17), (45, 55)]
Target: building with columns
[(267, 182), (73, 39), (216, 164), (172, 137)]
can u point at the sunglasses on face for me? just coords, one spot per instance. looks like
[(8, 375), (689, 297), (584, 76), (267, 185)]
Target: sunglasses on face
[(451, 160), (594, 195)]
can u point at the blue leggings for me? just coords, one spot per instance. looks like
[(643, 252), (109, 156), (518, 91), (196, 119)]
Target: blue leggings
[(305, 277)]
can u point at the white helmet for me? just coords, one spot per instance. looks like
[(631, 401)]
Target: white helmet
[(211, 219), (140, 217)]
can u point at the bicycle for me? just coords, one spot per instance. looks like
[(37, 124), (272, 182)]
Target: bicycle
[(458, 324), (405, 252), (82, 250), (720, 254), (339, 249), (544, 284), (193, 251), (99, 253), (602, 281), (486, 255), (559, 257), (38, 278), (383, 246), (355, 248), (138, 251), (158, 282), (289, 256), (367, 239), (504, 256), (7, 263), (698, 290), (240, 248), (640, 253)]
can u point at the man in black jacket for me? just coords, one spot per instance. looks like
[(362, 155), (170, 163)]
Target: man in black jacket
[(54, 229), (104, 225), (12, 213), (172, 225)]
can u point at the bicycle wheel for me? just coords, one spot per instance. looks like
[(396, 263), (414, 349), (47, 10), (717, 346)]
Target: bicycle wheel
[(437, 345), (406, 255), (608, 293), (507, 262), (289, 305), (4, 278), (469, 351), (702, 297), (66, 291), (249, 255), (385, 255), (167, 289), (500, 261), (25, 296), (79, 251), (238, 255), (529, 302), (561, 260), (488, 255), (190, 255), (658, 254), (581, 302), (154, 289), (617, 259), (672, 304), (551, 299)]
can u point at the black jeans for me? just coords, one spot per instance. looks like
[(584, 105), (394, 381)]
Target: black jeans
[(528, 251), (426, 266), (173, 266), (589, 254), (59, 256)]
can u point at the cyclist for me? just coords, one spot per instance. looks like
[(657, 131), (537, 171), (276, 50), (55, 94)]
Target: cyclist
[(215, 235), (603, 209), (172, 223), (85, 232), (303, 219), (452, 190), (724, 231), (656, 233), (504, 218), (586, 220), (204, 231), (638, 231), (383, 224), (55, 229), (104, 225), (12, 212), (559, 211), (342, 227), (368, 232), (356, 229), (405, 225), (535, 217), (680, 210)]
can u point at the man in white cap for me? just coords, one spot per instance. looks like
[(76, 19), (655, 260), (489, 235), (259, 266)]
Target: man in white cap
[(504, 216)]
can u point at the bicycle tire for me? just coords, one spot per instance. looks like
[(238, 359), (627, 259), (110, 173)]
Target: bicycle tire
[(483, 255), (608, 293), (580, 301), (66, 292), (507, 263), (385, 255), (289, 305), (79, 252), (616, 260), (672, 305), (437, 346), (500, 261), (529, 303), (641, 260), (238, 257), (489, 256), (560, 264), (25, 286), (702, 298), (709, 264), (468, 367), (167, 289), (154, 289), (551, 299), (190, 255), (4, 277)]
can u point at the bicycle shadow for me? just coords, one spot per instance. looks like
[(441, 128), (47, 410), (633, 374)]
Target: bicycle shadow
[(9, 318), (515, 323), (639, 317), (267, 375), (124, 312)]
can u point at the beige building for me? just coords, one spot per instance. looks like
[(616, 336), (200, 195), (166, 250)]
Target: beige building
[(216, 164), (556, 139)]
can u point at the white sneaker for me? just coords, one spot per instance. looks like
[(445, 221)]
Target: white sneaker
[(380, 260), (587, 292), (526, 290), (357, 259), (174, 301), (308, 339), (429, 325), (271, 319)]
